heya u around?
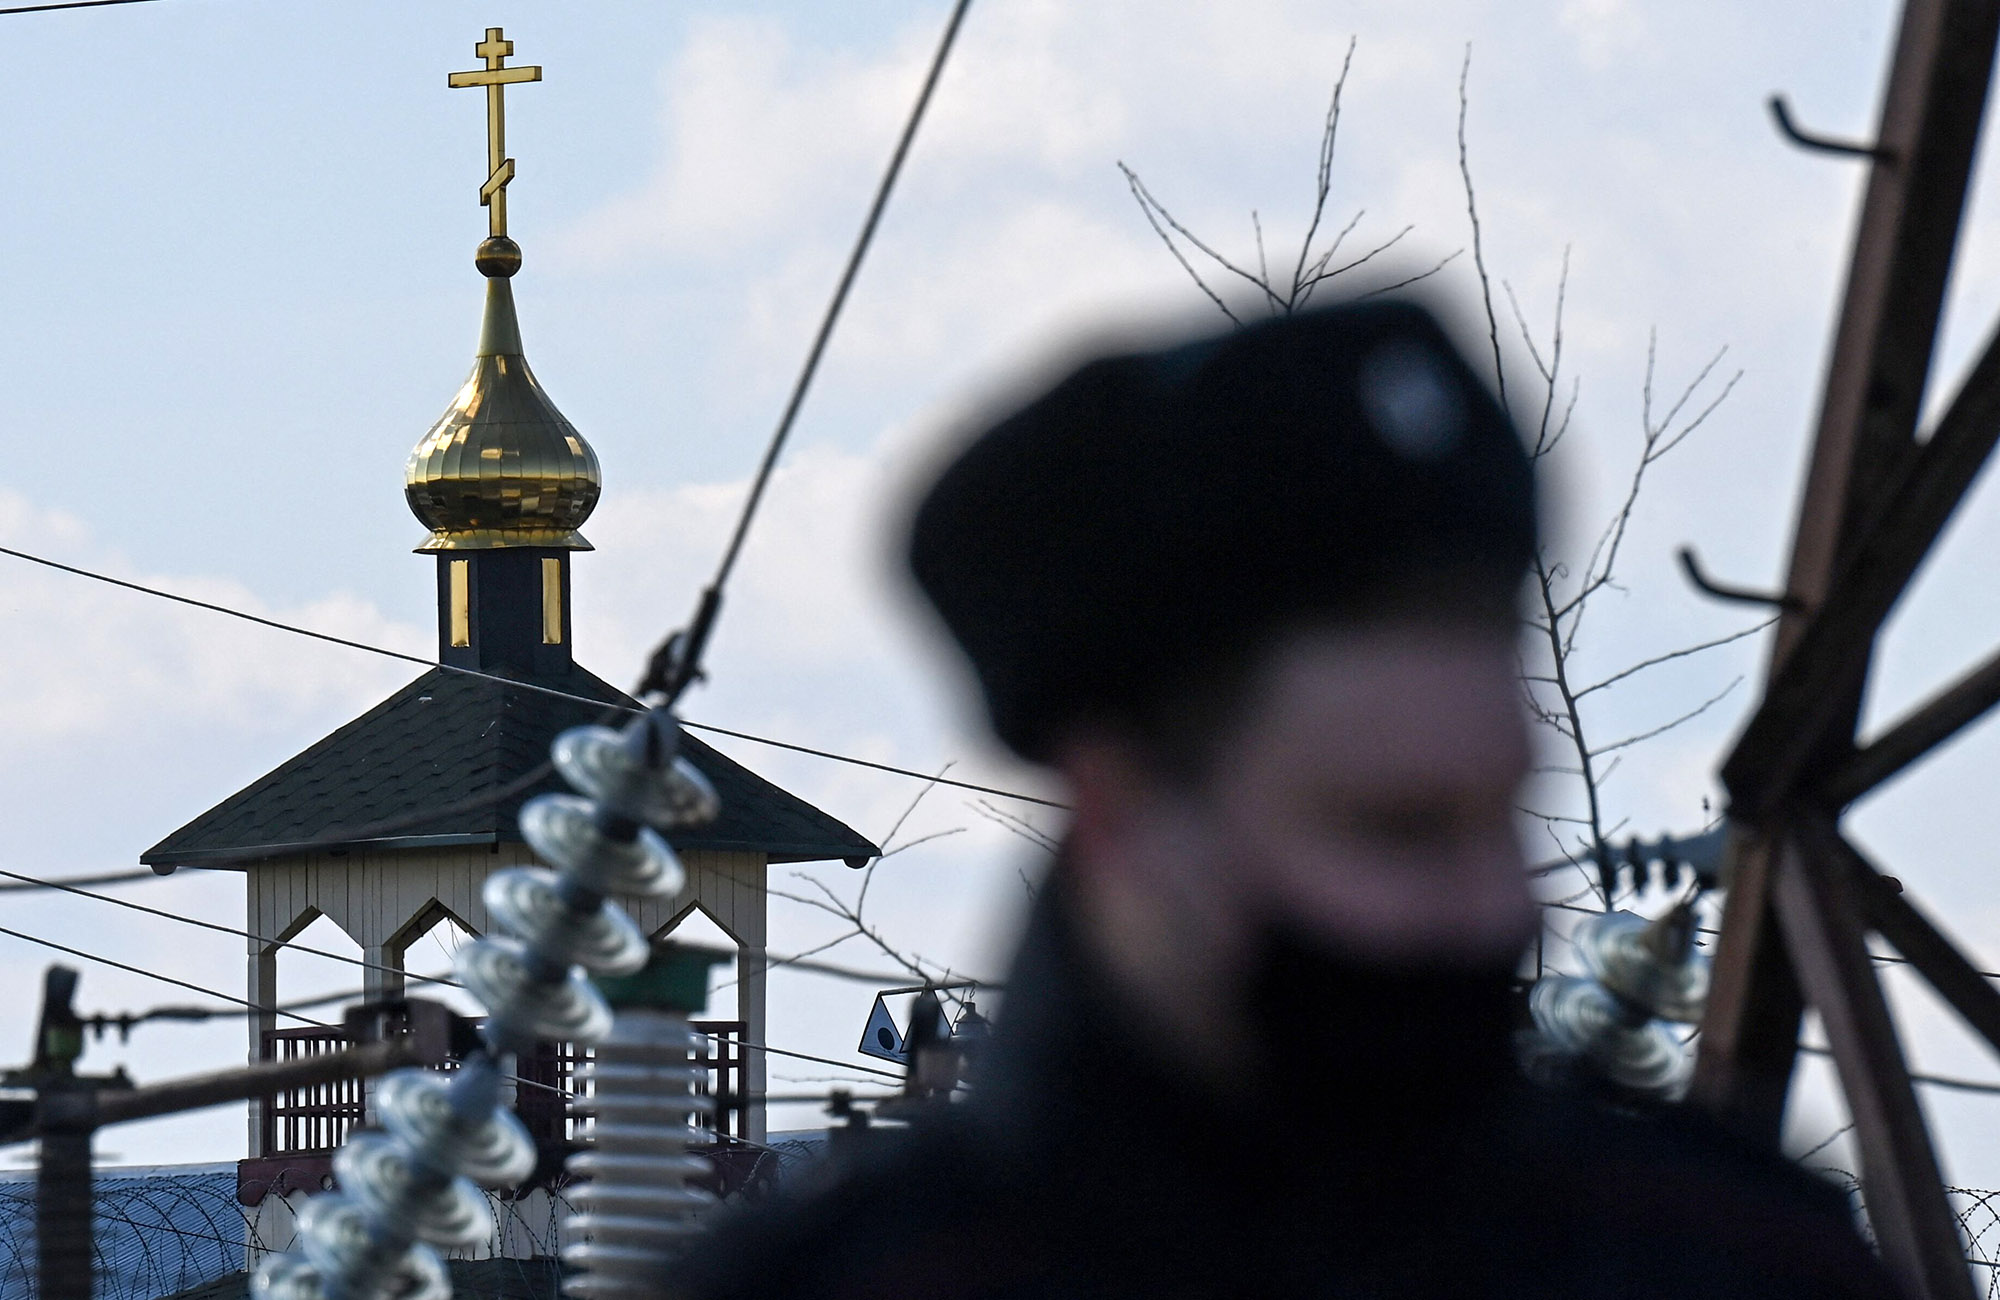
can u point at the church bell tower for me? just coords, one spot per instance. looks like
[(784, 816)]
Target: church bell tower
[(502, 480), (391, 825)]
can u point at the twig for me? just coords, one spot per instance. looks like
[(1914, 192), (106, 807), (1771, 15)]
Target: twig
[(1025, 829), (1478, 245), (1152, 205), (1407, 281), (1327, 137), (1672, 655), (922, 839), (1665, 727)]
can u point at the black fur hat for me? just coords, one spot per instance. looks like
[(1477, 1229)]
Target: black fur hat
[(1158, 511)]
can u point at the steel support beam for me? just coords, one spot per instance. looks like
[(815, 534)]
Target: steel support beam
[(1864, 444), (1900, 1180), (1920, 942), (1748, 1045), (1953, 709), (1804, 702)]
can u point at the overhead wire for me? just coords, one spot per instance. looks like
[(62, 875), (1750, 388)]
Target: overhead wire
[(155, 975), (870, 763), (1884, 958), (244, 1006), (227, 929), (1934, 1080), (101, 878), (521, 783), (747, 1045), (677, 662), (248, 1007), (67, 4), (773, 962)]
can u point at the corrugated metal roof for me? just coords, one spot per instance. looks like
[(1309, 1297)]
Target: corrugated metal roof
[(157, 1231)]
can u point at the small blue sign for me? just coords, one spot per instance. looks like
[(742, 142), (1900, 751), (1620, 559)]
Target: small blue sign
[(881, 1039)]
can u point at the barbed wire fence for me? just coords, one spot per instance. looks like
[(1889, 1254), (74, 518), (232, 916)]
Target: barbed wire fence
[(161, 1232)]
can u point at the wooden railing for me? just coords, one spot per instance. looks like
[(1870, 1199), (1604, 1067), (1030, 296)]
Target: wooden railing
[(315, 1118), (313, 1121)]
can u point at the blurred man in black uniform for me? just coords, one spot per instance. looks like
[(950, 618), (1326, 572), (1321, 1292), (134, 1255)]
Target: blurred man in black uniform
[(1254, 598)]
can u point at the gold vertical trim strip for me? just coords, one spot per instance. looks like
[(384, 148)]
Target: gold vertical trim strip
[(461, 603), (552, 619)]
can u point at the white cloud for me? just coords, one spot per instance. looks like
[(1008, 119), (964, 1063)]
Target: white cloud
[(1603, 29), (1634, 134), (94, 657)]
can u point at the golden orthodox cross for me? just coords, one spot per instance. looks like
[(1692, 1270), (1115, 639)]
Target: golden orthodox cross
[(495, 77)]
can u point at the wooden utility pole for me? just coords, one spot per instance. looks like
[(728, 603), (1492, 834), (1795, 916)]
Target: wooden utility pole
[(69, 1108), (1802, 900)]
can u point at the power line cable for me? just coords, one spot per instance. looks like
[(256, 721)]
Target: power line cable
[(155, 975), (67, 4), (801, 1056), (677, 662), (189, 1013), (880, 767), (1934, 1080), (1885, 958), (520, 783), (248, 1009), (247, 617), (226, 929), (772, 962), (102, 878)]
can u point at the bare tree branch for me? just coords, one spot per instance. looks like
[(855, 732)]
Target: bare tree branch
[(1327, 137), (1478, 245), (1146, 200), (1314, 281), (1146, 206), (922, 839), (1407, 281), (929, 786), (1025, 829), (832, 904), (1552, 687), (1558, 818), (1665, 727), (1672, 655)]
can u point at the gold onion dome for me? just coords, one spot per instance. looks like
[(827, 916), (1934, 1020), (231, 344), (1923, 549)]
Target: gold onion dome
[(502, 466)]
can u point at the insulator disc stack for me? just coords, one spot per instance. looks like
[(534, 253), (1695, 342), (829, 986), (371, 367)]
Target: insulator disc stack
[(1641, 977), (640, 1198), (412, 1187)]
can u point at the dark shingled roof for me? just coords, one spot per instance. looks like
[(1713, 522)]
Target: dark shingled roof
[(446, 738)]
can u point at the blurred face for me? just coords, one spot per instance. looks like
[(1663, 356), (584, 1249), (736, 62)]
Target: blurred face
[(1362, 799)]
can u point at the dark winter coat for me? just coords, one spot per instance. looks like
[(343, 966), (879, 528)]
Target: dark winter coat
[(1088, 1167)]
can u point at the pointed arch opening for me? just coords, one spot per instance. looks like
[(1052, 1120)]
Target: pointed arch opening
[(305, 976), (426, 945), (694, 925)]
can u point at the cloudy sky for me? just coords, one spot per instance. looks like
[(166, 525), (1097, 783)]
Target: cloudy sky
[(236, 287)]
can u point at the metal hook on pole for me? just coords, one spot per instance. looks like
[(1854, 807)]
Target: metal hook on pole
[(1741, 595), (1781, 113)]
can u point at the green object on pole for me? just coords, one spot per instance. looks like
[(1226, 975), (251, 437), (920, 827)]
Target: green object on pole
[(675, 978)]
